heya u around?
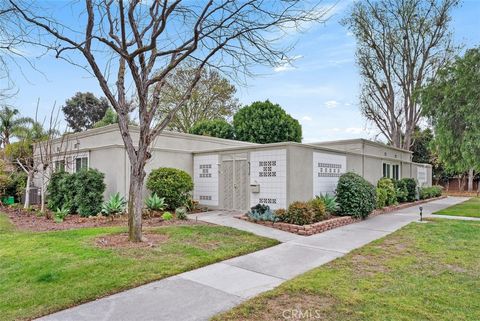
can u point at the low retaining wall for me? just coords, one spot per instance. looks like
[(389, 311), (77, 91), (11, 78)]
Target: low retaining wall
[(332, 223)]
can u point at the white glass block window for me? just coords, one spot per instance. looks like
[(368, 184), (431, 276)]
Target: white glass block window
[(268, 168), (205, 179), (327, 169)]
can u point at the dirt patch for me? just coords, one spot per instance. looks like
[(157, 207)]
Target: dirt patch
[(292, 307), (116, 241), (34, 221)]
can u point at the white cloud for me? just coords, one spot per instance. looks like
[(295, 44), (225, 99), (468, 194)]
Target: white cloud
[(307, 118), (286, 63), (330, 104)]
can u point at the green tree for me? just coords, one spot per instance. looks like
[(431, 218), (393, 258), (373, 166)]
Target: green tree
[(452, 102), (265, 122), (212, 98), (83, 110), (421, 147), (110, 117), (214, 128), (12, 124)]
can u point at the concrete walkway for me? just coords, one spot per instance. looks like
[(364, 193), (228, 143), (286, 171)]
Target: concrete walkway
[(202, 293)]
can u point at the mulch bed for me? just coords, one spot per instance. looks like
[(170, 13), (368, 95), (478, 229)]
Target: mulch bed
[(115, 241), (331, 223), (34, 221)]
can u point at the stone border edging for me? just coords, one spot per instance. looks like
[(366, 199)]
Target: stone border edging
[(332, 223)]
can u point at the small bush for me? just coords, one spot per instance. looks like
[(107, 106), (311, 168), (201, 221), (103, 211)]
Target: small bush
[(318, 208), (411, 186), (381, 197), (280, 213), (167, 216), (60, 214), (429, 192), (15, 185), (155, 203), (262, 212), (56, 195), (181, 213), (330, 201), (172, 184), (300, 213), (355, 196), (387, 185), (401, 191), (89, 188), (115, 205)]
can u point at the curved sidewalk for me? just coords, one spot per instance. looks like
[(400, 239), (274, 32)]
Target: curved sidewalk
[(202, 293)]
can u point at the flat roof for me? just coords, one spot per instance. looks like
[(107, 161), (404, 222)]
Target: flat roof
[(360, 140)]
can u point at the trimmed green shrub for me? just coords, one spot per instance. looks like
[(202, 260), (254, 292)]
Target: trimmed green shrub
[(115, 205), (411, 186), (429, 192), (300, 213), (401, 190), (55, 191), (167, 216), (172, 184), (89, 188), (330, 201), (15, 185), (387, 185), (318, 208), (381, 197), (355, 196)]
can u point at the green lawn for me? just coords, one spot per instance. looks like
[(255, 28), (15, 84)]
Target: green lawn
[(422, 272), (470, 208), (44, 272)]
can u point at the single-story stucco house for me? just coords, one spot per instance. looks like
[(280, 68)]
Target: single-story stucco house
[(231, 174)]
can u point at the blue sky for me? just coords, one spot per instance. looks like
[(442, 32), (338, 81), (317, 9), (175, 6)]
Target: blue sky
[(320, 89)]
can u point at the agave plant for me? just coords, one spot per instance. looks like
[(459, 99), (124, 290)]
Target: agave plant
[(155, 203), (115, 205), (60, 214), (330, 201)]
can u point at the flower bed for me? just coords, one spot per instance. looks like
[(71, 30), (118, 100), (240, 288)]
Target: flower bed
[(333, 222)]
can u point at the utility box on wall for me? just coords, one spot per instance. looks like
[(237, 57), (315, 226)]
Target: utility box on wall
[(255, 188)]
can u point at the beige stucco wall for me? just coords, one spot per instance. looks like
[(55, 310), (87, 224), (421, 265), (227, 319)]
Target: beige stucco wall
[(299, 174)]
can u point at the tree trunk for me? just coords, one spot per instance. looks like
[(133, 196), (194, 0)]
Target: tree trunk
[(42, 195), (135, 203), (470, 180), (27, 189)]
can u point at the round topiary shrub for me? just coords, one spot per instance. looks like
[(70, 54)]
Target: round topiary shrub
[(318, 207), (355, 196), (173, 184), (387, 185), (299, 213)]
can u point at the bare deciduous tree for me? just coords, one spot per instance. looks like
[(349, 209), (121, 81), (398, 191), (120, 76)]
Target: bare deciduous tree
[(148, 40), (400, 45)]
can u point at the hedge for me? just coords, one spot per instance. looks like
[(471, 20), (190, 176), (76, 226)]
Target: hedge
[(355, 195)]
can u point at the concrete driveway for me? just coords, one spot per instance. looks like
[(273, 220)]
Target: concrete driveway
[(202, 293)]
